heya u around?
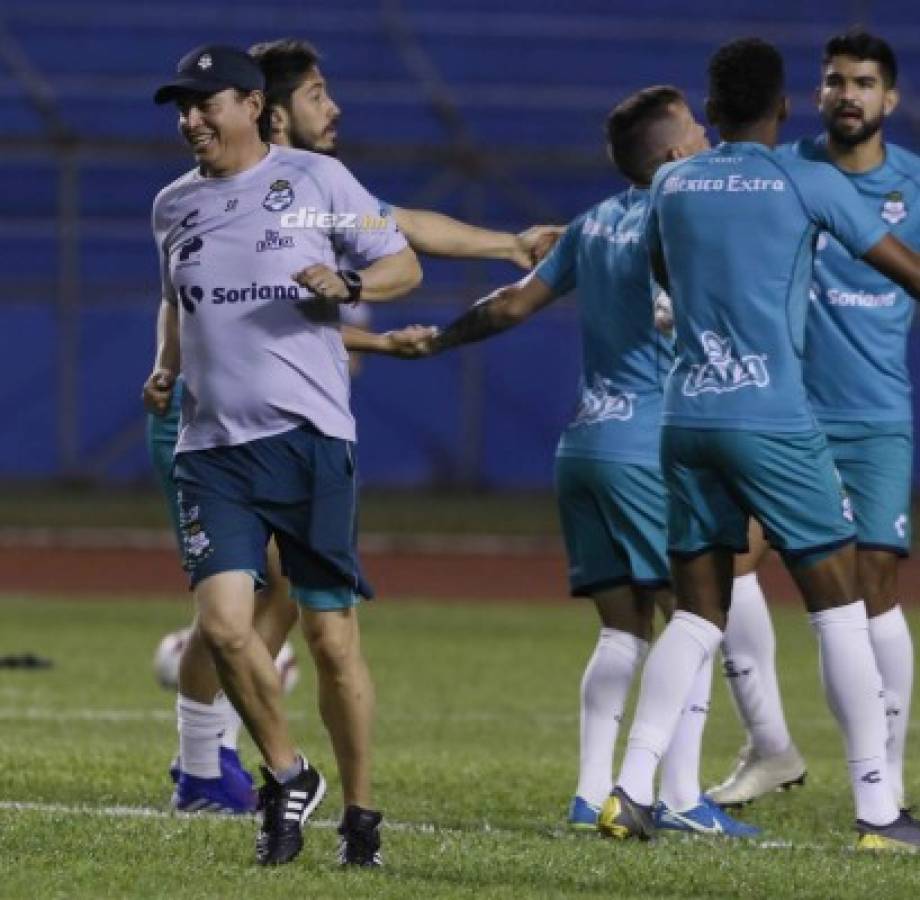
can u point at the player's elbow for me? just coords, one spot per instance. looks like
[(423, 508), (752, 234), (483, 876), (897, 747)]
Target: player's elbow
[(407, 274), (413, 272)]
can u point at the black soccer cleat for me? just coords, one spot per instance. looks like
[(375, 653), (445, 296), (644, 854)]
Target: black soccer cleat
[(285, 810), (622, 818), (902, 835), (360, 832)]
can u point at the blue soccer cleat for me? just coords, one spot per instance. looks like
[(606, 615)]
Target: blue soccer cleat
[(583, 815), (704, 818), (230, 760), (230, 794)]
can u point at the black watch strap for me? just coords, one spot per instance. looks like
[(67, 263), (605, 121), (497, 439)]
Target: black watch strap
[(352, 281)]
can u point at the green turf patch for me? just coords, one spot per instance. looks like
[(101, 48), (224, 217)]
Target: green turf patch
[(476, 761)]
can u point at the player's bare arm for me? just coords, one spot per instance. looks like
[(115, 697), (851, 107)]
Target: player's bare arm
[(895, 260), (158, 388), (439, 235), (384, 279), (406, 343), (500, 310)]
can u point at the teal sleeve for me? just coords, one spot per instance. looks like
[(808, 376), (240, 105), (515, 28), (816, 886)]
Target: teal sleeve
[(835, 206), (558, 269)]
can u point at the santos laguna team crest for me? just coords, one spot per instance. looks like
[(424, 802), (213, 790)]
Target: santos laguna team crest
[(600, 401), (894, 209), (724, 372), (279, 197)]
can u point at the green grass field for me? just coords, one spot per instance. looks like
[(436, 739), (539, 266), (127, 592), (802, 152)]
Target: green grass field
[(477, 749)]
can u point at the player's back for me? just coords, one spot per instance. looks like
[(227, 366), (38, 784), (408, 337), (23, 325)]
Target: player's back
[(603, 256), (737, 229)]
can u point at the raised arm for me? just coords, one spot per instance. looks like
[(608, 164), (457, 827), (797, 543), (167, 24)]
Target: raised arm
[(897, 261), (500, 310), (439, 235)]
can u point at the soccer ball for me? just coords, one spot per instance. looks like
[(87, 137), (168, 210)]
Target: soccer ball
[(166, 661)]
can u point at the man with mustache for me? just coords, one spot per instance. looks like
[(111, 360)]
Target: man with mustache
[(863, 405)]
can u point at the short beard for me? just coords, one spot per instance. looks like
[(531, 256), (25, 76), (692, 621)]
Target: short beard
[(299, 144), (867, 130)]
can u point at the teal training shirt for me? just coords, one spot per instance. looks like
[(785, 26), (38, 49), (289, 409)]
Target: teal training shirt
[(857, 314), (738, 226), (603, 256)]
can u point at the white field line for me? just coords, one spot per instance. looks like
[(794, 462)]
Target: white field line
[(45, 714), (149, 812), (371, 542)]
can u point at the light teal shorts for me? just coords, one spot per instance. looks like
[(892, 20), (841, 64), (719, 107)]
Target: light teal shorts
[(718, 478), (613, 520)]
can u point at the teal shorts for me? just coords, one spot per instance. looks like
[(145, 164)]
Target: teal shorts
[(718, 478), (613, 521), (875, 462)]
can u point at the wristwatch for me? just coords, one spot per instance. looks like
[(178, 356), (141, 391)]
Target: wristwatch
[(353, 283)]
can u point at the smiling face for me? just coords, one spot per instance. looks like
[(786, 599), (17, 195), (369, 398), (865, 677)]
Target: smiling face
[(220, 128), (313, 115), (854, 99)]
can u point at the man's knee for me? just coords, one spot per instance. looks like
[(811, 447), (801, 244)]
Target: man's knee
[(333, 639), (223, 635), (877, 577)]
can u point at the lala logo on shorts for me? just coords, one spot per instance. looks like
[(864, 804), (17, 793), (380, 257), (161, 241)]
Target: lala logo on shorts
[(600, 401), (723, 371)]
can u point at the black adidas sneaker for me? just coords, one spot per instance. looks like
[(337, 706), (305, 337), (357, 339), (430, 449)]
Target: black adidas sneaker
[(285, 810), (360, 832)]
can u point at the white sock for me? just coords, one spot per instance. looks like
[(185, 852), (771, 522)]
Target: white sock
[(680, 766), (604, 688), (854, 694), (230, 737), (200, 726), (894, 657), (749, 650), (667, 678)]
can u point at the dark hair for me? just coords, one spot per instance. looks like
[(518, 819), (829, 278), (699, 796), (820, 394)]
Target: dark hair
[(746, 81), (284, 63), (629, 130), (858, 43)]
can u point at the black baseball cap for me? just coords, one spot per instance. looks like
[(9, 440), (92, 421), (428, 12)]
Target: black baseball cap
[(212, 68)]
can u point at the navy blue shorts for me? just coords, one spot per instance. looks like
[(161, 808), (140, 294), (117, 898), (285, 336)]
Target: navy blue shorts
[(299, 486)]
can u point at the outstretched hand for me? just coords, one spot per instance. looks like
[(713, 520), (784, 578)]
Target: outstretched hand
[(534, 243), (411, 342)]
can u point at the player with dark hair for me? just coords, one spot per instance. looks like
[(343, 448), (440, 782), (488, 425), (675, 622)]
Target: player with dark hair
[(864, 408), (266, 441), (731, 235), (299, 113), (609, 487)]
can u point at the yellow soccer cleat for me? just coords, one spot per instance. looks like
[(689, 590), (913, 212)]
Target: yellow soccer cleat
[(900, 836), (622, 818)]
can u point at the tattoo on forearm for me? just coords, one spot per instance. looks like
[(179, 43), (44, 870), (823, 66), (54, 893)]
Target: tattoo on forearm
[(478, 322)]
